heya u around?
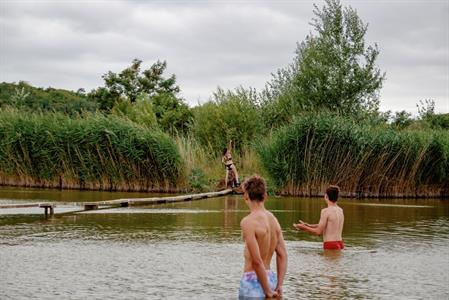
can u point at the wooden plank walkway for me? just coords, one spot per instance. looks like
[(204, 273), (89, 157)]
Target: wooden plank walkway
[(49, 206), (154, 200)]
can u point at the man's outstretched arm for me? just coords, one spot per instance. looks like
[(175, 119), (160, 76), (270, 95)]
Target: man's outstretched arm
[(319, 229)]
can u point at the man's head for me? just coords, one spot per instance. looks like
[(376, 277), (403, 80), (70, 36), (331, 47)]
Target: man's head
[(332, 192), (225, 150), (254, 188)]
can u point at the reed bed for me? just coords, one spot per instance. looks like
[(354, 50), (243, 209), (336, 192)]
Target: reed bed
[(365, 161), (88, 152), (203, 169)]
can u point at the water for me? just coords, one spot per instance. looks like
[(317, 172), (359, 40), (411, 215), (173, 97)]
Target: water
[(395, 249)]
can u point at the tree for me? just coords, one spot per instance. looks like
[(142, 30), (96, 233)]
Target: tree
[(229, 115), (130, 83), (333, 69), (172, 114), (402, 119), (140, 112), (426, 113)]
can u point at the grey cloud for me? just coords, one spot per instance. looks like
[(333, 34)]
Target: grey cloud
[(218, 43)]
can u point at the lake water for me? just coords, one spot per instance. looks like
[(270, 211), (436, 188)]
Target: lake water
[(395, 249)]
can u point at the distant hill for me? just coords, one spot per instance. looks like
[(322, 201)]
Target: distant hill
[(25, 96)]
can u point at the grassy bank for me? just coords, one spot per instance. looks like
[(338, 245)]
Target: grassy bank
[(89, 152), (368, 161)]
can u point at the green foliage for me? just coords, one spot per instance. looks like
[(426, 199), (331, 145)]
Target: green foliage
[(402, 119), (172, 114), (26, 97), (131, 83), (426, 109), (333, 70), (439, 121), (228, 116), (198, 180), (140, 112), (426, 113), (318, 149), (93, 150)]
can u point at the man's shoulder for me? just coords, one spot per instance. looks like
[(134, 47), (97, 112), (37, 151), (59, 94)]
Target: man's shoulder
[(325, 211), (246, 221)]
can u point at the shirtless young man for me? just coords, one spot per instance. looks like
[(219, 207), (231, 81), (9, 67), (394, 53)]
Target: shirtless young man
[(331, 221), (263, 236)]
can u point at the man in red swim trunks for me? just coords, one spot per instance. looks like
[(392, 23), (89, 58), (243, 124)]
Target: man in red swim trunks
[(331, 221)]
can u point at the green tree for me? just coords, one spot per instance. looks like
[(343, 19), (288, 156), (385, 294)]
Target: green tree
[(402, 119), (132, 82), (426, 113), (140, 112), (172, 114), (333, 69), (229, 115)]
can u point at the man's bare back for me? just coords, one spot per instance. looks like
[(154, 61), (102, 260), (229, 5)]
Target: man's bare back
[(267, 231), (331, 222), (263, 237), (334, 227)]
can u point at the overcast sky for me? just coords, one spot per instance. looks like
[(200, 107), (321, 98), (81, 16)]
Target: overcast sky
[(71, 44)]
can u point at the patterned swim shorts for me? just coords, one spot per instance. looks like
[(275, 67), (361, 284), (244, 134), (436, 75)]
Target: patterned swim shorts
[(250, 287)]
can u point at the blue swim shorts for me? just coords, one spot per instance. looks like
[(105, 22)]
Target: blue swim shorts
[(250, 287)]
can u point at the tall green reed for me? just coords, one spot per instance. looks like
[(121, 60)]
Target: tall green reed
[(90, 151), (315, 150)]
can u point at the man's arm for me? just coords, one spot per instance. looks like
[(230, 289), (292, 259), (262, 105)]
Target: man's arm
[(310, 225), (281, 261), (230, 146), (249, 235), (319, 229)]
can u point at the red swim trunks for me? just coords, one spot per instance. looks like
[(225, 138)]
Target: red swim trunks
[(333, 245)]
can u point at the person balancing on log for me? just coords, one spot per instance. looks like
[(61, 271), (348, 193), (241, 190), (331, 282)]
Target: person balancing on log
[(226, 159)]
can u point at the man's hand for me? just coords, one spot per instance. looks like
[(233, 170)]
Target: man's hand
[(272, 294), (300, 226), (279, 290)]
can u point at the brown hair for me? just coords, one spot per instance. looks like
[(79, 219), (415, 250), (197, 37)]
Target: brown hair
[(255, 186), (332, 193)]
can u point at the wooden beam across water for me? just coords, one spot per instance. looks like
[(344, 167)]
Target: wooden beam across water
[(49, 206), (153, 200)]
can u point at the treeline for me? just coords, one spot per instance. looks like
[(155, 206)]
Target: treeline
[(316, 122)]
